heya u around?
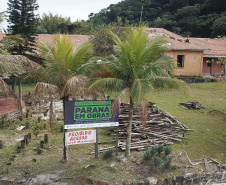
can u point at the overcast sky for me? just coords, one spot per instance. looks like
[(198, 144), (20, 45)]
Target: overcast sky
[(76, 9)]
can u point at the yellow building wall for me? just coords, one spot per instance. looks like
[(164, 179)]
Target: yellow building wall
[(192, 63)]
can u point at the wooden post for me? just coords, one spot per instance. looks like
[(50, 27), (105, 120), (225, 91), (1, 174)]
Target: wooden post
[(26, 139), (96, 145), (46, 138), (1, 144), (20, 91), (62, 128), (27, 125), (42, 144), (39, 151), (29, 135), (18, 149), (65, 148), (22, 144), (116, 150), (39, 119)]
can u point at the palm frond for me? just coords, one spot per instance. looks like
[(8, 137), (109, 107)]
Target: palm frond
[(167, 83), (42, 89), (112, 84), (83, 52), (16, 65), (116, 103), (76, 84)]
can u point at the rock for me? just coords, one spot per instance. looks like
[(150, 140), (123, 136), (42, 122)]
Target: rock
[(112, 164), (122, 158), (45, 179), (152, 180)]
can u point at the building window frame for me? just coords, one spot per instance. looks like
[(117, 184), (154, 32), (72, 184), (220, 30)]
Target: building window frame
[(180, 61)]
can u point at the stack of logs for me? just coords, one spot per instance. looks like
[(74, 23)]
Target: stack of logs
[(160, 128), (192, 105)]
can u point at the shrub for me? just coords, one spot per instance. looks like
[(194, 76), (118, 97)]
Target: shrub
[(167, 164), (154, 155), (146, 155), (108, 154), (158, 162), (36, 129), (152, 151), (167, 150), (159, 149)]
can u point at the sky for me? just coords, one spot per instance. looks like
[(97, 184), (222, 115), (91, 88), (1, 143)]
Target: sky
[(75, 9)]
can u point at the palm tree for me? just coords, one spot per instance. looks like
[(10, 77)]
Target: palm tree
[(139, 67), (61, 67), (62, 64)]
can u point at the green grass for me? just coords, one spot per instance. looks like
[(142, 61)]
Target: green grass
[(207, 140)]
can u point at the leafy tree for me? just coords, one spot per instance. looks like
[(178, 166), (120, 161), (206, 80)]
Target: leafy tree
[(219, 26), (138, 67), (193, 17), (22, 20), (50, 23), (53, 24), (102, 41)]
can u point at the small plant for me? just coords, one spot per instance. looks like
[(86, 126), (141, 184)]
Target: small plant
[(158, 162), (154, 154), (159, 149), (108, 154), (146, 155), (3, 123), (167, 150), (37, 129), (167, 164), (152, 151)]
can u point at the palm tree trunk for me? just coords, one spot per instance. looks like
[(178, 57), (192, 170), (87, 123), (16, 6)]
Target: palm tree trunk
[(129, 128)]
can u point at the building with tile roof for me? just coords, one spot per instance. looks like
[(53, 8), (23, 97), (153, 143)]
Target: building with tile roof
[(211, 57), (190, 57)]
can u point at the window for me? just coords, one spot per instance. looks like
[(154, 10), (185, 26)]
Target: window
[(180, 60)]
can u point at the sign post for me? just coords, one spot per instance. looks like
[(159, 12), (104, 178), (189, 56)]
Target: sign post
[(87, 114), (96, 145)]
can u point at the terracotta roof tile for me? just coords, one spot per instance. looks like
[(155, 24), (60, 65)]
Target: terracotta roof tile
[(47, 38), (75, 39), (217, 47), (174, 41)]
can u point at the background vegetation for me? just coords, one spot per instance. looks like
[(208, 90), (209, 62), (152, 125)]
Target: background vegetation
[(197, 18)]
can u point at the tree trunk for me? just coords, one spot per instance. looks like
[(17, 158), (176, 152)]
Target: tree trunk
[(51, 112), (20, 99), (20, 92), (129, 128)]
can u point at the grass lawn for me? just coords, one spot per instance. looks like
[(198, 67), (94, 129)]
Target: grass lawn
[(209, 136), (208, 139)]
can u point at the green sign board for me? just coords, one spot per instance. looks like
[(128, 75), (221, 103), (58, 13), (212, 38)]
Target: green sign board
[(88, 114)]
